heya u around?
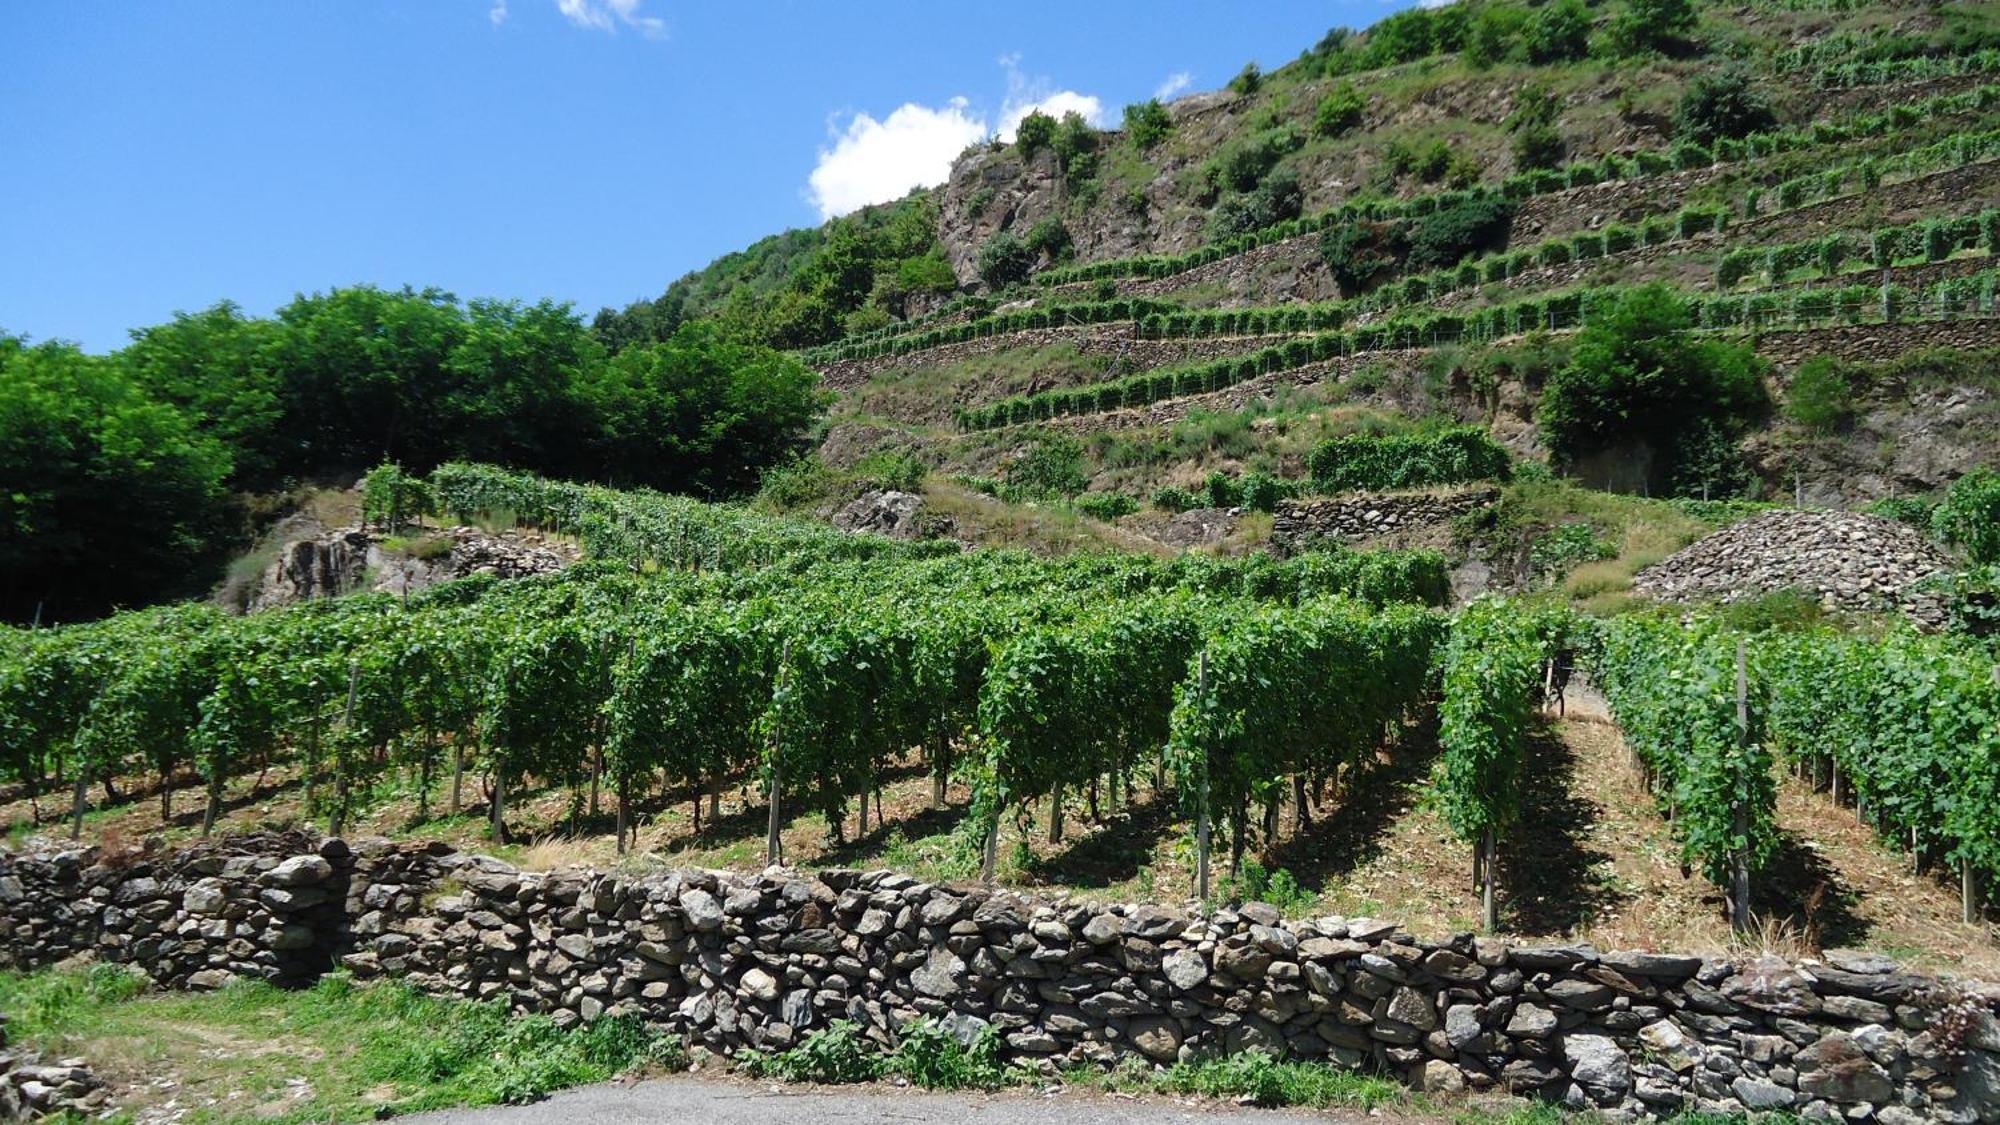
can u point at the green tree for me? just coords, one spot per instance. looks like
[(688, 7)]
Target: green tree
[(1035, 132), (1050, 239), (213, 365), (1638, 372), (1340, 111), (1722, 105), (1651, 25), (1559, 32), (1494, 34), (111, 498), (1005, 261), (1147, 123), (698, 413), (1248, 80)]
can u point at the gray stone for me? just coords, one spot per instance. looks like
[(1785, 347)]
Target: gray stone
[(942, 974), (1759, 1096), (1596, 1062), (1531, 1021), (300, 871), (1185, 969), (759, 984), (1836, 1069), (1672, 1047), (205, 896), (704, 914), (1158, 1039)]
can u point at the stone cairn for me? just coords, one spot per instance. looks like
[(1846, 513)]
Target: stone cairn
[(1845, 560), (760, 961)]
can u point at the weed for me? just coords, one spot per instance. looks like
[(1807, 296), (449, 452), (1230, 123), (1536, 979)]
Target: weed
[(934, 1058), (830, 1056)]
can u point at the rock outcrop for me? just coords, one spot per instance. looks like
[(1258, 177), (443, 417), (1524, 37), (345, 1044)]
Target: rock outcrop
[(898, 515), (344, 560), (1845, 560), (734, 961)]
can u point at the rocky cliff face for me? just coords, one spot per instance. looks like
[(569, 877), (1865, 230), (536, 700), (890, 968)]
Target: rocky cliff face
[(327, 564)]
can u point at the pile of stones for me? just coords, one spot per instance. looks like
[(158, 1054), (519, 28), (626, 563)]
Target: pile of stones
[(1845, 560), (29, 1089)]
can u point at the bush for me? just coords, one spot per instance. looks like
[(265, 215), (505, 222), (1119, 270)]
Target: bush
[(1106, 506), (1475, 226), (1276, 200), (897, 470), (934, 1058), (1248, 80), (1005, 261), (830, 1056), (1722, 105), (1969, 516), (1173, 498), (1638, 373), (1651, 25), (1051, 466), (1538, 146), (1050, 239), (1452, 456), (1148, 123), (1560, 32), (1821, 395), (1357, 253), (1036, 131), (392, 498), (1340, 111)]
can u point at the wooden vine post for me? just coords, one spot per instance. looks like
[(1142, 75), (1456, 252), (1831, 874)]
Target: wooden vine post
[(338, 822), (1489, 900), (774, 849), (1739, 860), (1201, 831)]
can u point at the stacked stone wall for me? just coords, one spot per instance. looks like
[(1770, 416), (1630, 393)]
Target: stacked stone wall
[(735, 961)]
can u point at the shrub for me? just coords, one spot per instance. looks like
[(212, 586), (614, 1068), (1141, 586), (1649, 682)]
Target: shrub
[(1005, 261), (1494, 32), (1262, 491), (1538, 146), (1651, 25), (898, 470), (1051, 466), (1560, 32), (1049, 238), (1106, 506), (1452, 456), (392, 498), (1637, 372), (1036, 131), (1821, 395), (830, 1056), (1248, 80), (1474, 226), (1969, 516), (1148, 123), (1076, 147), (935, 1059), (1173, 498), (1340, 111), (1357, 253), (1722, 105)]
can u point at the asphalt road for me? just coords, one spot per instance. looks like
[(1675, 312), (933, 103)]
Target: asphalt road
[(715, 1101)]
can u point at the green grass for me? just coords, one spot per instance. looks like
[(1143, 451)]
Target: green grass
[(334, 1052)]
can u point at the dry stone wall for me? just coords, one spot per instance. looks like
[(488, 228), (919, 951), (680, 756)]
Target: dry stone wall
[(1299, 524), (736, 961)]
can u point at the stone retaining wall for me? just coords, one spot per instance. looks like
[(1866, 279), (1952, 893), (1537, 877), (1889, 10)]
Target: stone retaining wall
[(1114, 340), (737, 961), (1299, 524)]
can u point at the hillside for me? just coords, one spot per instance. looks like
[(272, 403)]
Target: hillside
[(1405, 229), (1128, 615)]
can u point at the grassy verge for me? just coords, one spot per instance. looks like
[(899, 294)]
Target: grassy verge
[(334, 1052)]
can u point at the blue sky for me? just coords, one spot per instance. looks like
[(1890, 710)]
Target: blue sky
[(165, 155)]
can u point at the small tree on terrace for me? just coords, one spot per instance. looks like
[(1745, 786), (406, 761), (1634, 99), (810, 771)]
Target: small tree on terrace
[(1005, 261)]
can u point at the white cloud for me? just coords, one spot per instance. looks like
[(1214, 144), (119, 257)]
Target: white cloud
[(875, 161), (1175, 83), (1027, 95), (606, 15), (498, 12), (1055, 105)]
